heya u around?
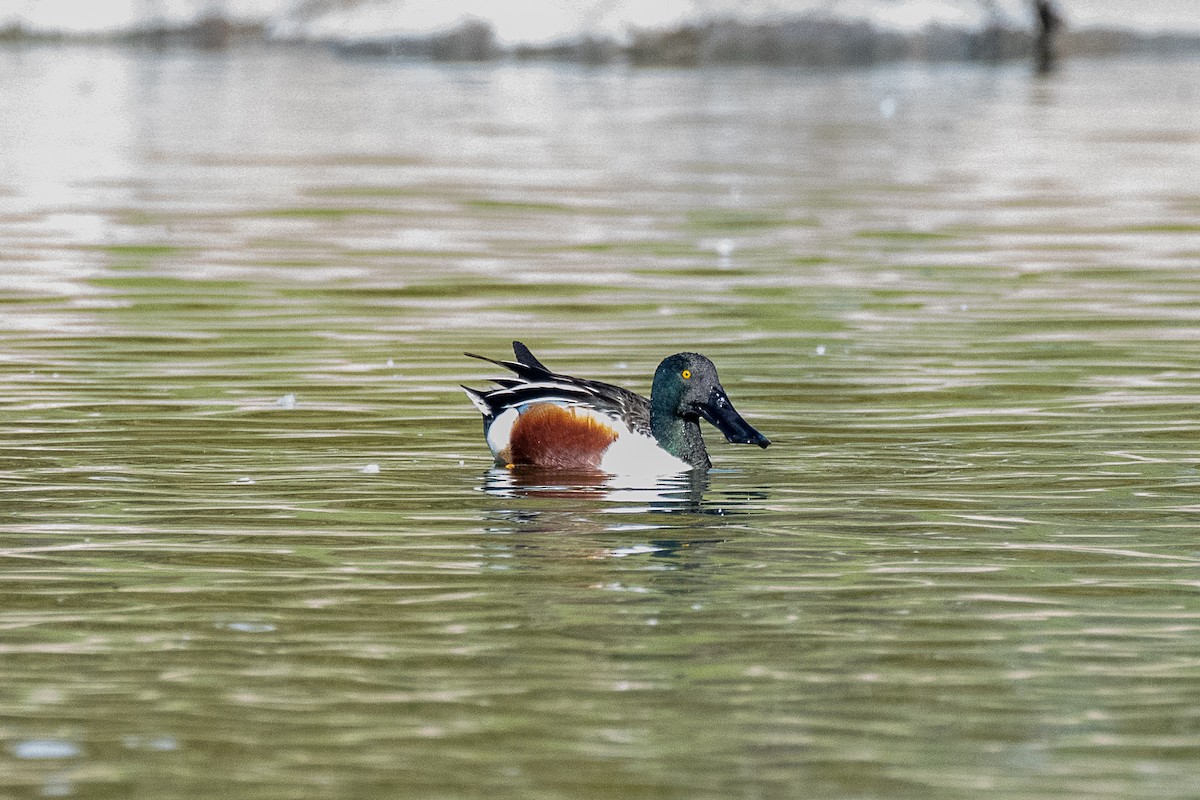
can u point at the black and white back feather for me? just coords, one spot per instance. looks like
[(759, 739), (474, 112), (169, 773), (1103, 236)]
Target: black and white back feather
[(536, 383)]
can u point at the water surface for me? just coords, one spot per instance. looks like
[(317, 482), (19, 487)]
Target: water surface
[(253, 545)]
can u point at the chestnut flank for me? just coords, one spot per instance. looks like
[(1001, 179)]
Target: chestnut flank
[(548, 435)]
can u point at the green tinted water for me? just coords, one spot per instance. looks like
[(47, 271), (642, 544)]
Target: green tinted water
[(252, 546)]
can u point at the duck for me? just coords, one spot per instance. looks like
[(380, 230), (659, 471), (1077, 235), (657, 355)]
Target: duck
[(541, 418)]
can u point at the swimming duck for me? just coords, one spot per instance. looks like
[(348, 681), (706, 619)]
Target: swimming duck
[(544, 419)]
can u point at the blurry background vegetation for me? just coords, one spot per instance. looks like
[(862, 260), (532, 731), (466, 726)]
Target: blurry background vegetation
[(682, 32)]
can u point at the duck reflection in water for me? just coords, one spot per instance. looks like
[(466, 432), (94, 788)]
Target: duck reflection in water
[(681, 492), (577, 510)]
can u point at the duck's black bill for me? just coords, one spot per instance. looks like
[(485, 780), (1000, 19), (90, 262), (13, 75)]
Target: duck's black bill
[(721, 413)]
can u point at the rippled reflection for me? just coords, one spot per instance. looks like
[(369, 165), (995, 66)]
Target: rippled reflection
[(683, 492), (248, 518)]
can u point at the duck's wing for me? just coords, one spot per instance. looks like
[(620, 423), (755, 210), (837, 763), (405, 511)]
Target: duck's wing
[(525, 357), (527, 367), (628, 406), (536, 383)]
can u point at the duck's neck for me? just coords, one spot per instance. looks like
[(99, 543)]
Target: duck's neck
[(680, 437)]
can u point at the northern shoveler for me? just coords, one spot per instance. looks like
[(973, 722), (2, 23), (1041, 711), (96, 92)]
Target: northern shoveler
[(541, 418)]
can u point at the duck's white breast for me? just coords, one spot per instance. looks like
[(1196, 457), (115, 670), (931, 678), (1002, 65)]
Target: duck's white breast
[(637, 454)]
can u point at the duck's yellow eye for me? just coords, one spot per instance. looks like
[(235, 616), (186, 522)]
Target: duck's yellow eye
[(687, 373)]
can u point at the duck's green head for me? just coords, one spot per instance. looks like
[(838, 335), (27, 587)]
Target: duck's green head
[(686, 387)]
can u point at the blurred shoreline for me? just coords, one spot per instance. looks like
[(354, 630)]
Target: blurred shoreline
[(806, 40)]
